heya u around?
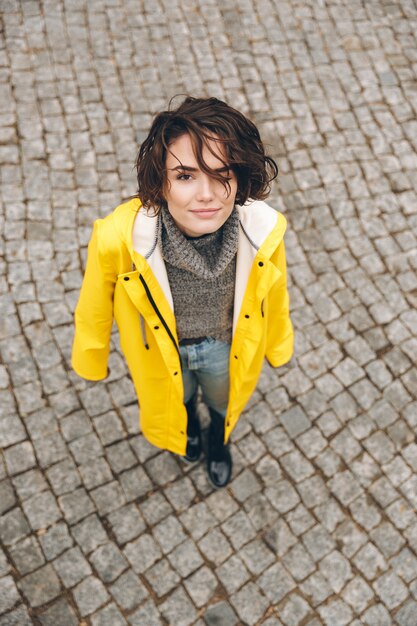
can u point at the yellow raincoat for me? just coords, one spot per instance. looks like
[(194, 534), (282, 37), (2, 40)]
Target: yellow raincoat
[(126, 280)]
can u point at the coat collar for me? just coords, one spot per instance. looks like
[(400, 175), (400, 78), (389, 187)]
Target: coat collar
[(262, 225)]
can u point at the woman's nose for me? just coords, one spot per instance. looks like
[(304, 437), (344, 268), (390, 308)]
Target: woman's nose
[(205, 188)]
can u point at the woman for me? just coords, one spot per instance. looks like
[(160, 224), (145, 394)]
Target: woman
[(193, 271)]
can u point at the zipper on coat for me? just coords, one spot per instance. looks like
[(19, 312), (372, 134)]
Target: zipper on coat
[(158, 312)]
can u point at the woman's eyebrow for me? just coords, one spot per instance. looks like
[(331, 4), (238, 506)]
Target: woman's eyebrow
[(188, 168)]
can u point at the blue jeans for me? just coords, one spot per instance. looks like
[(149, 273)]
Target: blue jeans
[(207, 364)]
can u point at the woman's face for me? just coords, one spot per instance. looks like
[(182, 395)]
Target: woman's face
[(198, 203)]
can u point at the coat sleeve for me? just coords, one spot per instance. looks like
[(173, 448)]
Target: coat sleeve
[(280, 334), (94, 313)]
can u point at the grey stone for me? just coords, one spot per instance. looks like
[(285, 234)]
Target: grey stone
[(59, 613), (13, 526), (109, 616), (239, 529), (201, 586), (89, 533), (27, 555), (128, 591), (220, 614), (177, 609), (162, 578), (127, 523), (40, 586), (147, 614), (275, 582), (169, 533), (233, 574), (76, 505), (391, 590), (108, 561), (7, 496), (185, 558), (89, 595), (55, 540), (142, 553), (215, 546), (9, 594), (72, 567), (108, 498)]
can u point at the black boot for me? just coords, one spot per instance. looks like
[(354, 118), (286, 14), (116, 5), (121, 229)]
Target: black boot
[(219, 459), (193, 431)]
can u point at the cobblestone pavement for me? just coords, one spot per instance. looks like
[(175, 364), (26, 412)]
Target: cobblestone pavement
[(319, 524)]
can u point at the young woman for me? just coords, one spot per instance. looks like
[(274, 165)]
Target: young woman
[(193, 271)]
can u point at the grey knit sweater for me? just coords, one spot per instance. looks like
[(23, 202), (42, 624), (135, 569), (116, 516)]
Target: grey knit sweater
[(201, 273)]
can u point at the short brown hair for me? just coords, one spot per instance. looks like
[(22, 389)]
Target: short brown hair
[(202, 118)]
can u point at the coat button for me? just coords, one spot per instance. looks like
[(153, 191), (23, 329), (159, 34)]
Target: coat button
[(156, 327), (235, 356), (260, 264), (247, 316), (126, 278), (175, 373)]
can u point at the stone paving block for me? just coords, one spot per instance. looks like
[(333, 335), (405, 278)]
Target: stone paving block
[(146, 614), (215, 546), (391, 590), (181, 494), (169, 533), (185, 558), (201, 586), (59, 613), (63, 477), (250, 603), (27, 555), (128, 591), (198, 520), (109, 616), (19, 458), (76, 505), (406, 614), (239, 529), (7, 496), (155, 508), (294, 610), (358, 594), (316, 588), (40, 586), (127, 523), (55, 540), (163, 468), (220, 614), (109, 497), (13, 526), (233, 574), (108, 562), (142, 553), (18, 617), (95, 473), (135, 483), (9, 594), (178, 609), (89, 533), (299, 520), (162, 578), (89, 595), (336, 613)]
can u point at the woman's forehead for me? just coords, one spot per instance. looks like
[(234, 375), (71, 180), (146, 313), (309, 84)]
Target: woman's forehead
[(182, 151)]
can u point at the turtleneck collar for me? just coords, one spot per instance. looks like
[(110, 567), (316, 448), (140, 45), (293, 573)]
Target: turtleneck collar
[(206, 256)]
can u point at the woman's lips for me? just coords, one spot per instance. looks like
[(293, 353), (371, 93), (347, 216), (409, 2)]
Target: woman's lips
[(205, 212)]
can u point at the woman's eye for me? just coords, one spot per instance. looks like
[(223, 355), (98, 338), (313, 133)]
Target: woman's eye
[(184, 177)]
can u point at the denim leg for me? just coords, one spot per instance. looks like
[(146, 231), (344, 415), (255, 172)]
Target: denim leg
[(213, 375), (188, 377)]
